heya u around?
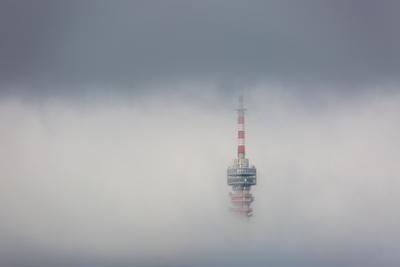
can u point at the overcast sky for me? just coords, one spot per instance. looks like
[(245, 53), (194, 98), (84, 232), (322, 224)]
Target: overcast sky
[(352, 43), (117, 125)]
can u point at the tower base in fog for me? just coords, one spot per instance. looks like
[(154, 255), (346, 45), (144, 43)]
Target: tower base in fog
[(241, 177)]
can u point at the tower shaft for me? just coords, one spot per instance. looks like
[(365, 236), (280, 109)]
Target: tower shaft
[(241, 176)]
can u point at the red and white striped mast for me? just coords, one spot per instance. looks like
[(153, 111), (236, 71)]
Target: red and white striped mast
[(241, 129)]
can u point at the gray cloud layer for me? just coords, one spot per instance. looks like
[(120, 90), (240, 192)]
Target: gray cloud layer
[(127, 42), (144, 184)]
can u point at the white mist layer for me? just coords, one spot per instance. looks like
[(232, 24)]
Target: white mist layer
[(145, 183)]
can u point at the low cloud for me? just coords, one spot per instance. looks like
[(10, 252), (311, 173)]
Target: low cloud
[(143, 182)]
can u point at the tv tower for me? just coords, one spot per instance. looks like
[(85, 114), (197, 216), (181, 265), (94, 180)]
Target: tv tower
[(241, 176)]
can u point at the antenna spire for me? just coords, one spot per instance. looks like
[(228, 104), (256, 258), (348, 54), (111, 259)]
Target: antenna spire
[(241, 129)]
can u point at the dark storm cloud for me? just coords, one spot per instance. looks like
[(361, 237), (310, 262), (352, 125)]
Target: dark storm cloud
[(124, 42)]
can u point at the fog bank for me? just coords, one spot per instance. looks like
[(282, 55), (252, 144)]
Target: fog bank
[(142, 182)]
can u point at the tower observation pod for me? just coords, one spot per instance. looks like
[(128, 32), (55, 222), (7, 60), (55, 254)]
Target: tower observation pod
[(241, 176)]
